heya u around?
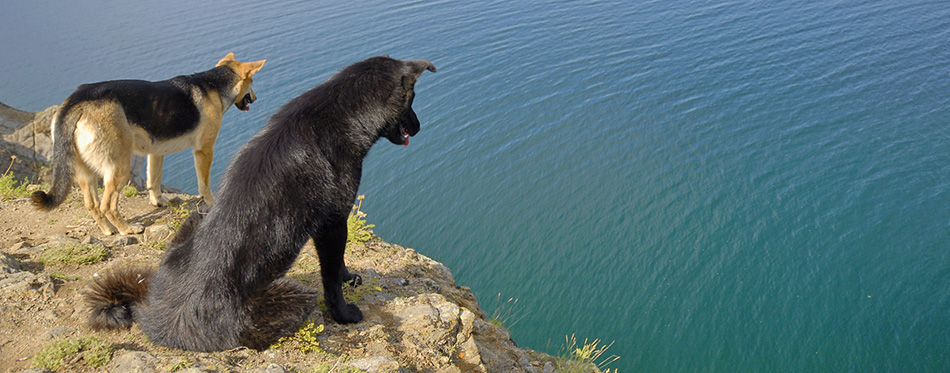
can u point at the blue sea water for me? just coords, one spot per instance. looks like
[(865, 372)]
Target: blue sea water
[(710, 185)]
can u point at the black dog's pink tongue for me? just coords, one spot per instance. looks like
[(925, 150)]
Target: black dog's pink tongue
[(406, 141)]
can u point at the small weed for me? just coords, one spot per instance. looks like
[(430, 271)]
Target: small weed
[(181, 365), (507, 314), (356, 293), (63, 277), (129, 190), (305, 340), (158, 245), (584, 358), (8, 184), (357, 231), (180, 214), (74, 254), (92, 351)]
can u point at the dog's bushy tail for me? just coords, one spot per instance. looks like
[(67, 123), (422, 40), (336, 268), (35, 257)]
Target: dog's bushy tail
[(115, 295), (64, 151)]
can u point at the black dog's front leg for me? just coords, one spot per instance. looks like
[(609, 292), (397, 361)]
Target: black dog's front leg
[(331, 244)]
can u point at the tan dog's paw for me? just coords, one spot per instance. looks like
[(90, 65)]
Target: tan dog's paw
[(107, 228), (158, 201)]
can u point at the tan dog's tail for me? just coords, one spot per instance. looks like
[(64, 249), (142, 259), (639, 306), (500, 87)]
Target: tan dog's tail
[(64, 151), (115, 295)]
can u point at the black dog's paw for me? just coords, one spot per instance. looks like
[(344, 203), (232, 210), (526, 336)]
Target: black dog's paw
[(348, 314), (354, 280), (347, 277)]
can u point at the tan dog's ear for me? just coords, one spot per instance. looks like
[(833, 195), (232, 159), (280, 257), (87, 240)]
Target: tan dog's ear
[(226, 59), (251, 68)]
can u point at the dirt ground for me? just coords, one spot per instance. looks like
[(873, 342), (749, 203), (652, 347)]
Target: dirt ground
[(49, 307)]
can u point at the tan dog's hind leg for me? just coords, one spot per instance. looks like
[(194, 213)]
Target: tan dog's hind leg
[(203, 169), (104, 141), (89, 182), (154, 170), (112, 183)]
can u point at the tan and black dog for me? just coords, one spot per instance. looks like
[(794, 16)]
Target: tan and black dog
[(100, 125)]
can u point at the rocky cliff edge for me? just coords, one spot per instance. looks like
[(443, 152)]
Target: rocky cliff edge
[(417, 319)]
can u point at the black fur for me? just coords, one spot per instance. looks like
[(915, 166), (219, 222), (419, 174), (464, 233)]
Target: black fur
[(114, 296), (221, 285), (165, 109)]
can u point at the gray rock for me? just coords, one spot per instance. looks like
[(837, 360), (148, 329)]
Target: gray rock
[(468, 352), (90, 240), (24, 248), (384, 297), (370, 273), (431, 284), (431, 328), (135, 362), (18, 246), (272, 368), (375, 364), (57, 239), (59, 332), (9, 264), (270, 354), (122, 240), (417, 314), (25, 283), (158, 232), (27, 136)]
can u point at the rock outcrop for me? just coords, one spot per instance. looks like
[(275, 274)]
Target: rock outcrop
[(28, 137), (416, 318)]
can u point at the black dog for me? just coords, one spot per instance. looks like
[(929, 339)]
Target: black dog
[(221, 283)]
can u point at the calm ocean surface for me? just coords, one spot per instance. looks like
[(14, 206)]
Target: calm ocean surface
[(715, 186)]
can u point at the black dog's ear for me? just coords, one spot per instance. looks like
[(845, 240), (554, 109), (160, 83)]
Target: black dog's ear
[(416, 68)]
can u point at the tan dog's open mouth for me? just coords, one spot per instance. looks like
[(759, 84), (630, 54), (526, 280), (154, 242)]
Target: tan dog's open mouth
[(245, 103)]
